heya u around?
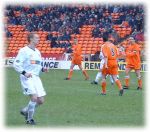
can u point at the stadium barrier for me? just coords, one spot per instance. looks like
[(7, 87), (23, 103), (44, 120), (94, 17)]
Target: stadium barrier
[(87, 65), (47, 63)]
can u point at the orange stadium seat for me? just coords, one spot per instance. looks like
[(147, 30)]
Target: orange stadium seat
[(83, 52), (88, 48), (61, 52), (84, 45), (90, 45), (93, 52), (42, 51), (57, 52), (94, 48), (43, 48), (84, 48), (90, 42), (80, 42), (52, 52), (94, 45), (47, 51), (88, 52), (85, 42), (39, 48)]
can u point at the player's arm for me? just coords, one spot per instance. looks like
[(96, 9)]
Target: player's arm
[(106, 61), (104, 52), (130, 53), (138, 51), (101, 56), (44, 69), (18, 64)]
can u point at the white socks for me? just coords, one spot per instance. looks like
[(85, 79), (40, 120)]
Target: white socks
[(25, 109), (98, 76), (111, 79), (31, 109)]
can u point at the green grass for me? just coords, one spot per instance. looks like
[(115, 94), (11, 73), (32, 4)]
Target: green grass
[(74, 103)]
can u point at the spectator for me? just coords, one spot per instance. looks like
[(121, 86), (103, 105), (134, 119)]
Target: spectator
[(53, 41), (69, 50), (95, 57), (49, 37), (8, 34)]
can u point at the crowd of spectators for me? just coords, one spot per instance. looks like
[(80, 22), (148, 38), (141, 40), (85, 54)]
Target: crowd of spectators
[(67, 19), (131, 16)]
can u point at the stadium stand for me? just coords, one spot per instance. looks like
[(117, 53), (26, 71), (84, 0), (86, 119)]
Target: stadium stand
[(58, 25)]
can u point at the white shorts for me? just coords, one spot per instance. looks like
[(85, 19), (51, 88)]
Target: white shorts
[(102, 64), (32, 85)]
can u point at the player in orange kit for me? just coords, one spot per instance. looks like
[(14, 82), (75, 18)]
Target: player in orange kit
[(110, 53), (76, 60), (133, 62)]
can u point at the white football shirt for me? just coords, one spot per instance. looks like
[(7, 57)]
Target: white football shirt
[(28, 60)]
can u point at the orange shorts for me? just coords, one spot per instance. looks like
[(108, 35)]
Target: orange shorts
[(76, 62), (110, 71), (135, 67)]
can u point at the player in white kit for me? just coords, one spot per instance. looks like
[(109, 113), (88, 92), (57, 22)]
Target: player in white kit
[(99, 74), (28, 64)]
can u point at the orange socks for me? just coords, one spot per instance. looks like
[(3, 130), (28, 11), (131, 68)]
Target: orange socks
[(85, 74), (140, 83), (103, 84), (70, 74), (119, 84), (127, 82)]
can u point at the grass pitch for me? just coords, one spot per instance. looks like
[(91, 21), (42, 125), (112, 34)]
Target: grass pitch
[(75, 103)]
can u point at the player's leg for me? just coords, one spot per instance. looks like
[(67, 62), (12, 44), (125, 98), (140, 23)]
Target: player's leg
[(84, 72), (103, 82), (98, 76), (31, 109), (103, 85), (40, 91), (118, 83), (40, 100), (36, 99), (70, 72), (114, 72), (138, 74), (27, 87), (118, 76), (127, 78), (24, 112), (30, 87), (111, 79)]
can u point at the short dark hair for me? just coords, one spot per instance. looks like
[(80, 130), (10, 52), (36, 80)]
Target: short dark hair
[(30, 36), (105, 37)]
